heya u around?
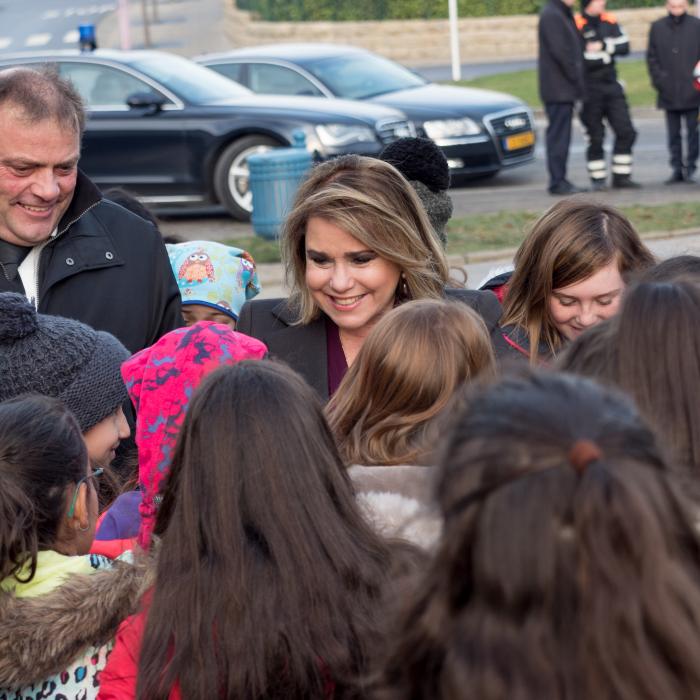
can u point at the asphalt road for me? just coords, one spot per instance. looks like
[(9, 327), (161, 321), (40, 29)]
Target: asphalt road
[(47, 24), (520, 188)]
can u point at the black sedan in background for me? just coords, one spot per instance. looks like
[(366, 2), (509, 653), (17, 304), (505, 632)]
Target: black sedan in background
[(174, 132), (480, 131)]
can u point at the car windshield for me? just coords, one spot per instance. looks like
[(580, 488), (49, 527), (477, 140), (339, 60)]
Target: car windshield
[(357, 77), (190, 81)]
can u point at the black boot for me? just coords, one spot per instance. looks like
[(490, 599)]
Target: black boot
[(676, 177), (624, 182), (599, 185)]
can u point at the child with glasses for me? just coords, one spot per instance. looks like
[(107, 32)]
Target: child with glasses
[(59, 606)]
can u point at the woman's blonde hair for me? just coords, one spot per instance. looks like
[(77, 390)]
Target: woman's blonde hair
[(404, 377), (569, 243), (370, 200)]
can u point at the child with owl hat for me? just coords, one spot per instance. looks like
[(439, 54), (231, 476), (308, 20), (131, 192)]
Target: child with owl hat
[(215, 280)]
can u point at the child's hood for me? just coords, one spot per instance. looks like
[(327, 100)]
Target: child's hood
[(214, 274), (160, 381)]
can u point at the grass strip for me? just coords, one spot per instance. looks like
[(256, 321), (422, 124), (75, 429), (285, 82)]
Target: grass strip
[(506, 229), (523, 84)]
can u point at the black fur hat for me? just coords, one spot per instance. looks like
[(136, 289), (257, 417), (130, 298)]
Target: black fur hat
[(419, 159), (424, 165)]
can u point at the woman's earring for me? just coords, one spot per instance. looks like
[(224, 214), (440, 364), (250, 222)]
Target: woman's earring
[(405, 292)]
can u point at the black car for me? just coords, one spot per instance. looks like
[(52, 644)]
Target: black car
[(172, 131), (480, 131)]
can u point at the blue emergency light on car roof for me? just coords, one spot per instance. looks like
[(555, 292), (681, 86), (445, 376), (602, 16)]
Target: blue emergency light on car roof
[(86, 37)]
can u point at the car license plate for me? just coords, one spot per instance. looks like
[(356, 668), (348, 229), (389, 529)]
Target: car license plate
[(513, 143)]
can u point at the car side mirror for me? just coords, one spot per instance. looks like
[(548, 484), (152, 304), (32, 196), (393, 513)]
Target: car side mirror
[(146, 100)]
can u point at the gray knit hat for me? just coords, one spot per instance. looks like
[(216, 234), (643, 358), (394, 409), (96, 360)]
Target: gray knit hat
[(59, 357)]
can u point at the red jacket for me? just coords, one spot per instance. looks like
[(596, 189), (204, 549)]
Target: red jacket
[(118, 679)]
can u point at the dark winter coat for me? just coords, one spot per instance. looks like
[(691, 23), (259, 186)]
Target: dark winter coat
[(560, 60), (304, 348), (673, 51), (108, 268)]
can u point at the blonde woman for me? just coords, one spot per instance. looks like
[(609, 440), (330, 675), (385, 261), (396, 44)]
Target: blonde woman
[(570, 273), (356, 244), (388, 410)]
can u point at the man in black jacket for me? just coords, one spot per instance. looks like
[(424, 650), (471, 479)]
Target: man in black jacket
[(560, 67), (672, 53), (605, 97), (71, 252)]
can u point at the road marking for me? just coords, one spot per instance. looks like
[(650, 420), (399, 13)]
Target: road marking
[(37, 40), (80, 11), (71, 37), (5, 41)]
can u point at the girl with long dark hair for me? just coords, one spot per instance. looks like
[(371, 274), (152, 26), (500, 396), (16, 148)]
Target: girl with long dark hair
[(569, 567), (269, 584)]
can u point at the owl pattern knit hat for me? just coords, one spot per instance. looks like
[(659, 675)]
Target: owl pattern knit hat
[(215, 275), (59, 357), (424, 165)]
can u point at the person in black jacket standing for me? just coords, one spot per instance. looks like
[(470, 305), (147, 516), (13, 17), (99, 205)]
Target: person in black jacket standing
[(605, 96), (68, 250), (672, 53), (560, 67)]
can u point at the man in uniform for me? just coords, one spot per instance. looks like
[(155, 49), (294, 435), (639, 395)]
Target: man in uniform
[(605, 97)]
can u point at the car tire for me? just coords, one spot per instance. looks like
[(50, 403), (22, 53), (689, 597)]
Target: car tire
[(231, 174)]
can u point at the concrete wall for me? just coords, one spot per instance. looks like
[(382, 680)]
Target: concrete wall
[(423, 42)]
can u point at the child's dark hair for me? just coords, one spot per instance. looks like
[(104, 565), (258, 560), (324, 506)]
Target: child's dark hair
[(42, 452), (276, 578), (569, 565), (672, 269)]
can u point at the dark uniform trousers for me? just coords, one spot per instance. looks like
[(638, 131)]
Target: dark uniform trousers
[(607, 101), (674, 118)]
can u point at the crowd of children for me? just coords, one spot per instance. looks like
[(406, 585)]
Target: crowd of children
[(383, 487)]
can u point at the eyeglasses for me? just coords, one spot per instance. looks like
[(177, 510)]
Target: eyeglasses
[(97, 473)]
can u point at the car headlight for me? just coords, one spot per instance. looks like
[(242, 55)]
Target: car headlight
[(331, 135), (451, 128)]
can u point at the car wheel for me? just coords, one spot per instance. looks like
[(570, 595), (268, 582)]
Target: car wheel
[(231, 174)]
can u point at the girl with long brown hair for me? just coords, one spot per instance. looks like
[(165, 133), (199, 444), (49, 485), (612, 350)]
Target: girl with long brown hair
[(569, 567), (269, 584), (386, 414), (570, 273)]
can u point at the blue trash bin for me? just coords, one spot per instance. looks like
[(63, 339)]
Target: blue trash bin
[(273, 180)]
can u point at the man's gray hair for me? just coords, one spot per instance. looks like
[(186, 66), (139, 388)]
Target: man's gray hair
[(41, 93)]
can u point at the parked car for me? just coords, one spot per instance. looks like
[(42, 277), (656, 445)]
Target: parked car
[(172, 131), (480, 131)]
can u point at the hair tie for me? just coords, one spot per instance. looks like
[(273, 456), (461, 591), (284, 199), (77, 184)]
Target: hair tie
[(582, 453)]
